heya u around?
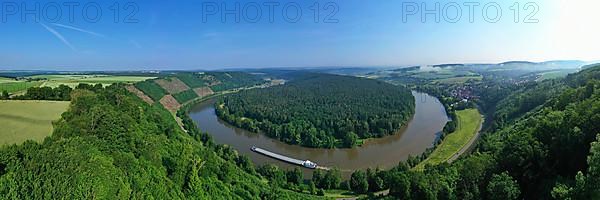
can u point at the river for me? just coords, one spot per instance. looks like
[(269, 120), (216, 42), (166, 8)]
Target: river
[(413, 139)]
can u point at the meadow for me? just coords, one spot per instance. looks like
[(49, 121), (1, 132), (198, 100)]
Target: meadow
[(468, 125), (28, 120)]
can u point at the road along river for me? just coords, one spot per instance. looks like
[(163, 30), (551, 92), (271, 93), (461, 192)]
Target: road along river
[(420, 134)]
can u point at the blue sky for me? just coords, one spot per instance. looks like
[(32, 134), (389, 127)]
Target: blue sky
[(173, 35)]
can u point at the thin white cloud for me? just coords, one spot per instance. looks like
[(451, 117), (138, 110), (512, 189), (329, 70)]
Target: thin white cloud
[(79, 29), (59, 36)]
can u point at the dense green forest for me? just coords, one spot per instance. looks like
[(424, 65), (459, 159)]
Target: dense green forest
[(321, 110), (112, 145)]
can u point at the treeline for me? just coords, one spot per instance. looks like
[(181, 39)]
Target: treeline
[(294, 179), (112, 145), (320, 110), (60, 93), (5, 95)]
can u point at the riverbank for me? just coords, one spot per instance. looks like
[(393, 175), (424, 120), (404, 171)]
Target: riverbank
[(456, 143), (413, 139)]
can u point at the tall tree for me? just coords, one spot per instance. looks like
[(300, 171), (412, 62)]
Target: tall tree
[(359, 182), (503, 187), (295, 176)]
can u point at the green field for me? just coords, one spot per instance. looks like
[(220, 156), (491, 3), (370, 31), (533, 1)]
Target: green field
[(28, 120), (17, 86), (74, 80), (6, 80), (14, 86), (468, 125)]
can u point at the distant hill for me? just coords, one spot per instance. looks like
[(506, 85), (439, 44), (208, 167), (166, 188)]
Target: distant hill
[(448, 65), (517, 63), (590, 65)]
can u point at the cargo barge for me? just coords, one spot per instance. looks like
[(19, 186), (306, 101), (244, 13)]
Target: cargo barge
[(304, 163)]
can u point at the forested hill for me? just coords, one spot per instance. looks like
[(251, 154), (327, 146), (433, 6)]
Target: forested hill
[(321, 110), (533, 95), (112, 145), (551, 151)]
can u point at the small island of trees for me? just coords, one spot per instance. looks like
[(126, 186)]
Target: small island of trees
[(321, 110)]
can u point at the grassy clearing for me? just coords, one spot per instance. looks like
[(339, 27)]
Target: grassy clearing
[(28, 120), (468, 125)]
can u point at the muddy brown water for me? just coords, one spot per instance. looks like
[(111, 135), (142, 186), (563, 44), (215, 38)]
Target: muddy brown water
[(413, 139)]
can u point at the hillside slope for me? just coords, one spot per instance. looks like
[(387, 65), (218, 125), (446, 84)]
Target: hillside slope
[(176, 89), (112, 145)]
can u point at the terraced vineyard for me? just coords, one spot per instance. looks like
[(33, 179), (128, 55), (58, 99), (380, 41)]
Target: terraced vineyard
[(175, 90)]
